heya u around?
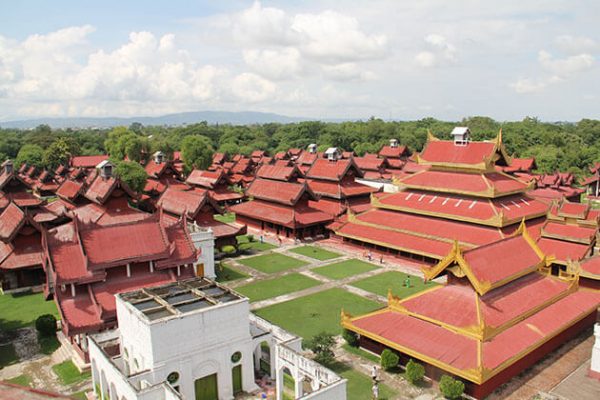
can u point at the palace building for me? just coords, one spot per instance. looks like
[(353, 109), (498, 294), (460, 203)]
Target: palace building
[(456, 194), (282, 205), (500, 311)]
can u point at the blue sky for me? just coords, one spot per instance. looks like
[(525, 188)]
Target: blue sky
[(320, 59)]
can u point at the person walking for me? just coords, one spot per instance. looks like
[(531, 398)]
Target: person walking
[(374, 373), (375, 391)]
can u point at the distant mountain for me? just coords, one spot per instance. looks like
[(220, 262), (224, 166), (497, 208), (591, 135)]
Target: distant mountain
[(212, 117)]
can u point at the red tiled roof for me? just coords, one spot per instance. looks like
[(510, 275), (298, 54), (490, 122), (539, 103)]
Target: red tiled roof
[(11, 219), (501, 260), (155, 170), (573, 210), (513, 208), (224, 194), (276, 191), (281, 214), (446, 152), (393, 152), (419, 338), (306, 158), (521, 165), (562, 250), (591, 267), (107, 246), (369, 163), (69, 189), (80, 314), (485, 185), (332, 170), (573, 233), (87, 161), (280, 173), (178, 202), (181, 249), (24, 251), (218, 158), (207, 179)]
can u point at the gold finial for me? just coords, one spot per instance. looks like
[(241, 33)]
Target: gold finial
[(499, 138), (430, 136)]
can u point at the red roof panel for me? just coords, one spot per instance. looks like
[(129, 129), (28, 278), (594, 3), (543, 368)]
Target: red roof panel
[(443, 151), (280, 192), (88, 161), (562, 250), (11, 219)]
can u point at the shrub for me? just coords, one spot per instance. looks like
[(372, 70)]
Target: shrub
[(350, 337), (322, 345), (414, 371), (228, 249), (451, 388), (244, 247), (389, 359), (46, 325), (251, 238)]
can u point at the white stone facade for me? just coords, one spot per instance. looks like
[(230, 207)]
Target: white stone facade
[(204, 240), (595, 366), (197, 343)]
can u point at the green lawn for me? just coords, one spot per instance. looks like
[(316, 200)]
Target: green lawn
[(68, 373), (362, 353), (272, 262), (309, 315), (394, 280), (276, 287), (21, 310), (226, 273), (344, 269), (255, 244), (359, 385), (227, 218), (7, 355), (315, 252), (21, 380)]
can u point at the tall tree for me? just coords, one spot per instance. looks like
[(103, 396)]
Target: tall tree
[(31, 154), (196, 151), (133, 174)]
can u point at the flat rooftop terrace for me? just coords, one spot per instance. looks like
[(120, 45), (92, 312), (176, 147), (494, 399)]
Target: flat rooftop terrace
[(179, 298)]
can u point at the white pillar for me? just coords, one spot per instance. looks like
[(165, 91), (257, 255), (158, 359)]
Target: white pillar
[(151, 266), (72, 290), (204, 242), (279, 383), (179, 270), (128, 266), (298, 389), (595, 366)]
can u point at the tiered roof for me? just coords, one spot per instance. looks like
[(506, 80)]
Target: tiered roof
[(499, 305), (459, 196)]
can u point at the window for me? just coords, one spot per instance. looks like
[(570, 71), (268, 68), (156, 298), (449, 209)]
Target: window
[(236, 357), (173, 377)]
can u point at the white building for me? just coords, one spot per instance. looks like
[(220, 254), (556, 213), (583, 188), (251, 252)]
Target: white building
[(198, 340)]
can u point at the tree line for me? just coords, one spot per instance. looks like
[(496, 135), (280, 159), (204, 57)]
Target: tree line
[(556, 146)]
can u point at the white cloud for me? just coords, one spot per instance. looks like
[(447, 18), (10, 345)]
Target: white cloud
[(284, 63), (576, 44), (347, 72), (566, 66), (252, 88), (560, 69), (439, 51)]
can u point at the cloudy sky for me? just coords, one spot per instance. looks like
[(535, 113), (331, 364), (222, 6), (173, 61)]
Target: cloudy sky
[(320, 59)]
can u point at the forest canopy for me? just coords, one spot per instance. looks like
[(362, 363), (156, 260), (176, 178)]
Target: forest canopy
[(556, 146)]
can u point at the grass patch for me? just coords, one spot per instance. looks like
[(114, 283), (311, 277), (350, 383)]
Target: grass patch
[(255, 245), (8, 355), (80, 395), (394, 280), (276, 287), (226, 273), (344, 269), (309, 315), (315, 252), (227, 218), (68, 373), (21, 310), (21, 380), (48, 345), (359, 385), (362, 353), (272, 262)]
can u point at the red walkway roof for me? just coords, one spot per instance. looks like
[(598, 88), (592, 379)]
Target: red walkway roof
[(288, 216)]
